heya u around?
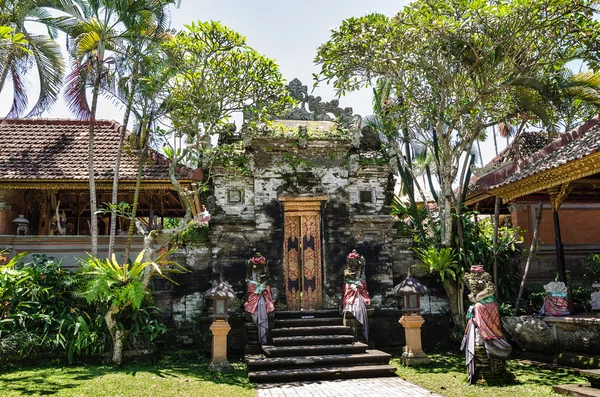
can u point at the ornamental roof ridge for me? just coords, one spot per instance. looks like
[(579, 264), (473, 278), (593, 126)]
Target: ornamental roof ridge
[(318, 110)]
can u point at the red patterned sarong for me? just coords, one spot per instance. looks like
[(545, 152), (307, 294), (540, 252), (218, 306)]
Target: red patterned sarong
[(487, 320), (350, 295), (252, 298), (556, 306)]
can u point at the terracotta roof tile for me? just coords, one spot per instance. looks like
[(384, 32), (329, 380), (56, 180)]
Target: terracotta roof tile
[(57, 149), (567, 148)]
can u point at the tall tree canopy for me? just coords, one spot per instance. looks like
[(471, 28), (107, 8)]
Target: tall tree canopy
[(453, 65), (42, 54), (452, 62)]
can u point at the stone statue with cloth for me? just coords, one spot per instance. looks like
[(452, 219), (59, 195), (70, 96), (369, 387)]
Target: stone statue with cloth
[(557, 301), (484, 344), (356, 297), (259, 300)]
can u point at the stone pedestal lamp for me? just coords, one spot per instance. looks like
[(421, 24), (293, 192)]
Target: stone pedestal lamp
[(22, 225), (220, 294), (411, 290)]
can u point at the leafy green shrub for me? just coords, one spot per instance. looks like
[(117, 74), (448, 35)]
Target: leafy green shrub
[(43, 310), (592, 268)]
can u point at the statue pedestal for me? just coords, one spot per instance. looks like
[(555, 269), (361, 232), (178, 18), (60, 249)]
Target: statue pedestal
[(413, 351), (220, 329)]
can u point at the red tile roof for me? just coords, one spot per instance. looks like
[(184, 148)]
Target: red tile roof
[(580, 142), (57, 149)]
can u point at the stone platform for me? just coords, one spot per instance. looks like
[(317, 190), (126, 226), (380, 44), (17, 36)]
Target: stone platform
[(582, 390), (314, 345)]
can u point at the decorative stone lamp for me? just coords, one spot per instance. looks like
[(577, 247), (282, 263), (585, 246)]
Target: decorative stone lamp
[(22, 225), (220, 294), (411, 290)]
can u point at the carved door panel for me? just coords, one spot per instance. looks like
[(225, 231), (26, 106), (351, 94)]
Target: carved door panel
[(292, 264), (302, 255)]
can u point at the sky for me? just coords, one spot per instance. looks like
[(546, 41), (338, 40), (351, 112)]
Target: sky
[(287, 31)]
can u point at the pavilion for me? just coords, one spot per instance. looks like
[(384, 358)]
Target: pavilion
[(564, 177)]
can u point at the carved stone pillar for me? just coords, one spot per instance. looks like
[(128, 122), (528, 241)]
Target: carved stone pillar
[(413, 351), (220, 329)]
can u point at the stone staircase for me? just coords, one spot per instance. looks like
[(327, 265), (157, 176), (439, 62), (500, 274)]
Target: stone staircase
[(312, 345)]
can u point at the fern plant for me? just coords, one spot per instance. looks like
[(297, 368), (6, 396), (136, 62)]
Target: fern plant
[(442, 261), (120, 286)]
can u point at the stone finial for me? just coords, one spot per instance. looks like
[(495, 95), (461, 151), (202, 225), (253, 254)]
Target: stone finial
[(317, 109)]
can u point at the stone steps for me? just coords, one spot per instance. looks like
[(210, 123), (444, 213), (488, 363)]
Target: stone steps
[(313, 345), (304, 340), (311, 350), (307, 322), (294, 314), (315, 330), (261, 362), (321, 373)]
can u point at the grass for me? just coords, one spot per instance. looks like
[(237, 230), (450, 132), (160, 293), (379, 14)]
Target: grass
[(447, 375), (182, 374), (170, 376)]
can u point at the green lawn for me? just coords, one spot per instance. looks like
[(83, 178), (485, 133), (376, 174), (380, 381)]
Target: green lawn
[(181, 374), (171, 376), (447, 376)]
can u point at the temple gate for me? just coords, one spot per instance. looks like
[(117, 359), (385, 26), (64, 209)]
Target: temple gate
[(302, 252)]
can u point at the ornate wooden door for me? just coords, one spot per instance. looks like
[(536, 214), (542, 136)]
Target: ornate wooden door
[(302, 253)]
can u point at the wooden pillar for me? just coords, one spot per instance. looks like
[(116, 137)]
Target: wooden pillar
[(150, 198), (557, 197), (560, 249)]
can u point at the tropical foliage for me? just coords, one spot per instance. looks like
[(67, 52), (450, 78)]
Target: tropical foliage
[(120, 287), (26, 51), (44, 311), (452, 69)]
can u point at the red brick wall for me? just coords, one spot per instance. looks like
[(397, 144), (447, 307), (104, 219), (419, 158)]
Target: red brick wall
[(577, 225)]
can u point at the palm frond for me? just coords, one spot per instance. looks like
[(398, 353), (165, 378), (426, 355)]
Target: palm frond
[(20, 99), (75, 91), (50, 66)]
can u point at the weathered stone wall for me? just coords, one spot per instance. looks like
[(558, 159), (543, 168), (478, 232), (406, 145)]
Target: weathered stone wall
[(309, 159), (247, 216)]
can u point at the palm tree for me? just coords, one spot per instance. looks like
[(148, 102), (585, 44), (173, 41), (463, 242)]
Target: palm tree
[(96, 31), (42, 53), (151, 29)]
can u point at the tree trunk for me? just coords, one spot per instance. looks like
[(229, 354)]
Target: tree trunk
[(115, 188), (496, 221), (446, 220), (495, 140), (93, 203), (446, 199), (532, 249), (454, 292), (119, 337), (480, 155), (138, 182)]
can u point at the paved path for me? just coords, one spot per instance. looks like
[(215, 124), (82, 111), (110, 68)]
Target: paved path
[(380, 387)]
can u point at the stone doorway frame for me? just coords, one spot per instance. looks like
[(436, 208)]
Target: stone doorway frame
[(302, 220)]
